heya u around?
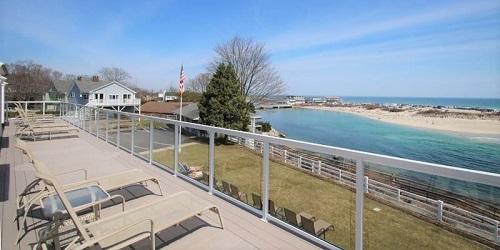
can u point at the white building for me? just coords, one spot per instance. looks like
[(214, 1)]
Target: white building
[(95, 93), (294, 99)]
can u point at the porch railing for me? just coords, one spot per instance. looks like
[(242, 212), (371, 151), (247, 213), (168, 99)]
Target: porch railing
[(108, 125)]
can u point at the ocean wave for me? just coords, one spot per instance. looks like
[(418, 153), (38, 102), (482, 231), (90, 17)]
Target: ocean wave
[(495, 140)]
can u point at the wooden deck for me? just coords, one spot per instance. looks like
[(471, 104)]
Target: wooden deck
[(242, 230)]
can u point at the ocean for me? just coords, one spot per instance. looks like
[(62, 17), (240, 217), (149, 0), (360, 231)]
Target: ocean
[(359, 133), (486, 103)]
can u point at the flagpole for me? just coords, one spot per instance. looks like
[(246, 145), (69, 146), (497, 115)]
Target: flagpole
[(180, 127)]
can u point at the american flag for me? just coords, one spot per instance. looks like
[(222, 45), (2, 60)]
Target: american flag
[(181, 80)]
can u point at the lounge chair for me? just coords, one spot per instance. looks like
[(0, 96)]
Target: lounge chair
[(292, 218), (192, 172), (316, 227), (257, 201), (35, 132), (125, 228), (275, 211), (235, 192), (225, 187), (107, 183)]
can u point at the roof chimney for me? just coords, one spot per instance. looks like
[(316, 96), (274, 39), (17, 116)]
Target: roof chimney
[(95, 78), (79, 78)]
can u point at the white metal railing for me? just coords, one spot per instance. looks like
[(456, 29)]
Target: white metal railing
[(111, 102), (443, 213)]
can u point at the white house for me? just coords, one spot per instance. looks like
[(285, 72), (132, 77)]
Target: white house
[(95, 93)]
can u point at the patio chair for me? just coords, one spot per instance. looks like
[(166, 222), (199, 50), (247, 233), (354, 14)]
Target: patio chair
[(125, 228), (192, 172), (275, 211), (225, 187), (35, 132), (257, 201), (107, 183), (316, 227), (292, 218), (235, 192)]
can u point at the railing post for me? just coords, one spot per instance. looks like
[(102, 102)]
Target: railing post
[(211, 161), (399, 194), (285, 154), (360, 169), (43, 108), (151, 138), (107, 126), (176, 149), (132, 135), (440, 211), (60, 109), (91, 112), (366, 184), (97, 123), (299, 163), (26, 107), (265, 182), (340, 175), (118, 130), (319, 167)]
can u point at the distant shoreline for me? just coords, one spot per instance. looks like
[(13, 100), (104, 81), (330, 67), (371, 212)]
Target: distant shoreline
[(450, 122)]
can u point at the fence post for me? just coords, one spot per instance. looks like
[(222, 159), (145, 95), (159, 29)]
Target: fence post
[(440, 210), (60, 109), (340, 175), (360, 169), (26, 107), (151, 138), (211, 162), (43, 108), (299, 163), (176, 149), (265, 182), (285, 154), (399, 194), (319, 167), (132, 135), (366, 184)]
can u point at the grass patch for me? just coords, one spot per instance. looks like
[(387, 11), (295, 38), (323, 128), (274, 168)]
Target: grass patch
[(387, 228)]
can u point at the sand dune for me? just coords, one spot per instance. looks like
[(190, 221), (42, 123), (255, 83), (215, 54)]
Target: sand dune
[(411, 118)]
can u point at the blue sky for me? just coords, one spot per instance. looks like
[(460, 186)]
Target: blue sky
[(371, 48)]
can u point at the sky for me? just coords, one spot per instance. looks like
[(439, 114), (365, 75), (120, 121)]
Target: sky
[(345, 48)]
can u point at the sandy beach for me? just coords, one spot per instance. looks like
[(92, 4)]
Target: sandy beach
[(450, 123)]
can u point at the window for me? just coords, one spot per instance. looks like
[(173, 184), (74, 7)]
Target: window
[(85, 96), (113, 97), (72, 94), (126, 96)]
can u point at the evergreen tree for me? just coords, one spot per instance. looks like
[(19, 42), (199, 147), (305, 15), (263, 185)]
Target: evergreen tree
[(222, 104)]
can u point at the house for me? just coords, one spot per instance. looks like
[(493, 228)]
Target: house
[(293, 99), (95, 93), (171, 110), (315, 100)]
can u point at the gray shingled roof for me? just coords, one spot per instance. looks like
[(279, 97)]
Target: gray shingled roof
[(190, 111), (86, 86), (63, 86)]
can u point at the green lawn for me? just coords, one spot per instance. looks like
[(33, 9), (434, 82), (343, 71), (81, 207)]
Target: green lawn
[(388, 228)]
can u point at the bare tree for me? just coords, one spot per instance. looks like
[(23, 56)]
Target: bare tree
[(114, 74), (199, 83), (258, 79), (56, 75), (29, 81)]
